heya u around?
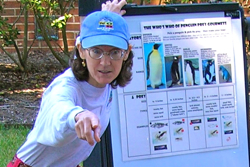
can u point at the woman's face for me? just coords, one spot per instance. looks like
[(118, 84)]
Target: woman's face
[(104, 70)]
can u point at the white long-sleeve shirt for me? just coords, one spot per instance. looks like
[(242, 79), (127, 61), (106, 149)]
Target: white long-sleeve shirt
[(53, 141)]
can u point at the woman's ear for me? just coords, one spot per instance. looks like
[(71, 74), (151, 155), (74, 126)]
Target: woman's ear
[(127, 52), (81, 51)]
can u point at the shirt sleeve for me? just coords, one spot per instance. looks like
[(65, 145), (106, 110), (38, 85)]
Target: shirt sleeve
[(55, 123)]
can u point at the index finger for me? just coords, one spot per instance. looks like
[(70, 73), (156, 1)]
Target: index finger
[(97, 133), (94, 122)]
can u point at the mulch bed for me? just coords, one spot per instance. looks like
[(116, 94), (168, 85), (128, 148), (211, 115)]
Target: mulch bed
[(20, 93)]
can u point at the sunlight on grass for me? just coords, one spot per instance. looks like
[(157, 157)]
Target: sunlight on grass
[(8, 65), (11, 138), (27, 90), (39, 91)]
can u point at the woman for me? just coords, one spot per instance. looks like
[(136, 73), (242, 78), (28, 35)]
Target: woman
[(76, 106)]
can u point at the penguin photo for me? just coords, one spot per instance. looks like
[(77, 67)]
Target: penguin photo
[(192, 72), (209, 71), (224, 74), (154, 66), (174, 71)]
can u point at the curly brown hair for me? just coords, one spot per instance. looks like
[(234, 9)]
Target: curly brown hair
[(82, 74)]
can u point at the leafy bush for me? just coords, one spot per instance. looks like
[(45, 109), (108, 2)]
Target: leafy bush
[(44, 12)]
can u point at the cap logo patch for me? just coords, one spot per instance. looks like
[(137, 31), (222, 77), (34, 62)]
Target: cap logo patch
[(105, 24)]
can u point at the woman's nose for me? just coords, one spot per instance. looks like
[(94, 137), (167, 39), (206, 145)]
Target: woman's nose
[(105, 60)]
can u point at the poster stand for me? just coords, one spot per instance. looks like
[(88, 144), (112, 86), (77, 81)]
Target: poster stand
[(215, 107)]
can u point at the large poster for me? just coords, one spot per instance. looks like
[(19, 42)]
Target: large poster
[(181, 99)]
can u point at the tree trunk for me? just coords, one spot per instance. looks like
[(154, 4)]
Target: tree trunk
[(25, 38)]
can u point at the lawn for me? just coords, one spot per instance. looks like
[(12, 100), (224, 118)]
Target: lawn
[(11, 138)]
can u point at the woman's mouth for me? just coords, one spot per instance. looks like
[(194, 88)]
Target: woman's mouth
[(104, 71)]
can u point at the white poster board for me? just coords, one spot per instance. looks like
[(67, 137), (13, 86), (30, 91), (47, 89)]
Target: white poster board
[(190, 108)]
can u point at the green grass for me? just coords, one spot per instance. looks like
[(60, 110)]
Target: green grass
[(11, 138)]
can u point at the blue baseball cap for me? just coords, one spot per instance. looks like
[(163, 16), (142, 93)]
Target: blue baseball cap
[(104, 28)]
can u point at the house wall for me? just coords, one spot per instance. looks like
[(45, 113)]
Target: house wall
[(12, 10)]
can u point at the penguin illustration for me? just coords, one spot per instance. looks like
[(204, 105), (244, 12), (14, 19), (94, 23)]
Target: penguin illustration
[(225, 74), (154, 67), (175, 74), (190, 73), (210, 72)]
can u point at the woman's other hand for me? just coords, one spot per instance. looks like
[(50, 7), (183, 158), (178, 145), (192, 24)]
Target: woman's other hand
[(114, 6)]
